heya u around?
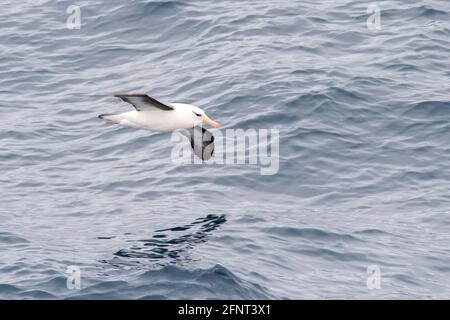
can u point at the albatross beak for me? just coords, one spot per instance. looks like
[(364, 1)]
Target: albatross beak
[(212, 123)]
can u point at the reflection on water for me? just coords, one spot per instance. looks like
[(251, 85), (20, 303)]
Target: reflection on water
[(167, 246)]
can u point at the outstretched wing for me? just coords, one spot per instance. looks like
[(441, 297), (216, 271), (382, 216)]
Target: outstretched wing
[(142, 101), (202, 142)]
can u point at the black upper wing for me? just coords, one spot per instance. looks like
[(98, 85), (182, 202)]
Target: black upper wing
[(142, 101)]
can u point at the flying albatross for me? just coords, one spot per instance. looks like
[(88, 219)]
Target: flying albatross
[(155, 115)]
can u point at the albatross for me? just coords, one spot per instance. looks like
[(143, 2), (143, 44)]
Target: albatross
[(151, 114)]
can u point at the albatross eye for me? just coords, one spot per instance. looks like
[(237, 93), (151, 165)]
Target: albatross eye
[(197, 114)]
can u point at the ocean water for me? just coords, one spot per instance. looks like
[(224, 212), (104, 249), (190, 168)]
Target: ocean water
[(363, 115)]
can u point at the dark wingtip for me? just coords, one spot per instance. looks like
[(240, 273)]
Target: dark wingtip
[(101, 116)]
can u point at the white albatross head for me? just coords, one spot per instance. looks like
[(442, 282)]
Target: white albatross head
[(199, 117)]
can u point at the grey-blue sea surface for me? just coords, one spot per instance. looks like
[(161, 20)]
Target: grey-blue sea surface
[(359, 206)]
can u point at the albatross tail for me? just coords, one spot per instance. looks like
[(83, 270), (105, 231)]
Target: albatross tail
[(110, 118)]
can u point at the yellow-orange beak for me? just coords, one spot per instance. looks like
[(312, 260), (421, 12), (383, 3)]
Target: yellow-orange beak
[(212, 123)]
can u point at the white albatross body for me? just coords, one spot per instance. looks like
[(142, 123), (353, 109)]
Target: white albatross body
[(156, 119), (151, 114)]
